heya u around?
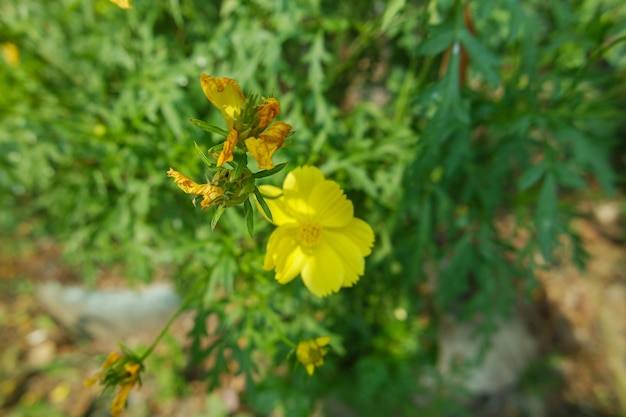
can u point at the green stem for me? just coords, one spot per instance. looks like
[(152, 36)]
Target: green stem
[(166, 328), (277, 327)]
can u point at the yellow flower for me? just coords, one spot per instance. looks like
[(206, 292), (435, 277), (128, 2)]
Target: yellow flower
[(311, 353), (10, 53), (118, 370), (209, 192), (123, 4), (318, 236)]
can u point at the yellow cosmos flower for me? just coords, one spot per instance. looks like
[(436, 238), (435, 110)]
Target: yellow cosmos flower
[(209, 192), (123, 4), (318, 236), (311, 353)]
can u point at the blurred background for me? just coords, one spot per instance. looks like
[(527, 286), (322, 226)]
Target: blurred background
[(484, 142)]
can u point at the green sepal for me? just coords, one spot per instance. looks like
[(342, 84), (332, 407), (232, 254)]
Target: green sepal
[(269, 172), (209, 128), (248, 213), (216, 216), (262, 203), (242, 163), (204, 158)]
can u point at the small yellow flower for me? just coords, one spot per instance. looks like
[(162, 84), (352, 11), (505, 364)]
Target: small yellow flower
[(10, 53), (118, 370), (123, 4), (318, 236), (311, 353), (209, 192)]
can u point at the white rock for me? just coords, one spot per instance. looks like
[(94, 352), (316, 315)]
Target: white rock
[(109, 314)]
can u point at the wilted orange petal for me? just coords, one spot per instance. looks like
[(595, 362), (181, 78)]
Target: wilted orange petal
[(268, 112), (119, 402), (209, 192), (262, 151), (263, 148), (277, 132), (132, 368), (229, 147), (185, 183), (112, 358)]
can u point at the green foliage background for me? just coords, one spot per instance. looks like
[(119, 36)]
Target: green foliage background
[(97, 110)]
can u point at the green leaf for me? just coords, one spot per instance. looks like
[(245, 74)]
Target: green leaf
[(361, 178), (172, 118), (269, 172), (569, 177), (424, 226), (392, 10), (209, 128), (261, 200), (216, 216), (531, 176), (437, 43), (546, 217), (481, 58), (204, 158), (242, 163), (248, 213)]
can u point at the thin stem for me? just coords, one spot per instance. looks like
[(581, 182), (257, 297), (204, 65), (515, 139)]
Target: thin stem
[(277, 327), (166, 328)]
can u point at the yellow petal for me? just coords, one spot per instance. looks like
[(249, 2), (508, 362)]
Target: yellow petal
[(284, 255), (361, 233), (225, 94), (300, 182), (262, 151), (289, 267), (280, 215), (297, 188), (276, 133), (10, 53), (322, 341), (332, 207), (310, 368), (323, 273), (119, 402), (350, 253), (263, 147), (229, 147), (268, 112), (209, 192), (123, 4)]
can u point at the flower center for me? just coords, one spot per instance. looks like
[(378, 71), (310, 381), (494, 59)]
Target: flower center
[(309, 234)]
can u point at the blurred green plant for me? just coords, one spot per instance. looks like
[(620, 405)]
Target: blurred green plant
[(461, 130)]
